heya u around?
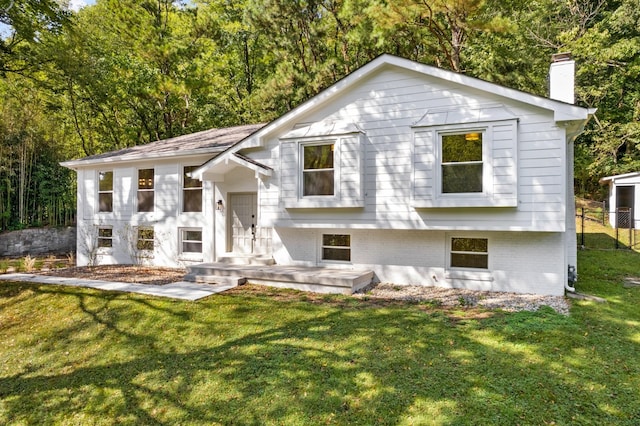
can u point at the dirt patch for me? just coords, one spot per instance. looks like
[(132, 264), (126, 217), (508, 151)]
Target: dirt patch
[(122, 273)]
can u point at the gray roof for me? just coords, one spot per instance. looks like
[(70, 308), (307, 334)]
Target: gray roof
[(211, 141)]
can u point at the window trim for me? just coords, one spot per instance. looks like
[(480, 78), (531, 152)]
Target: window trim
[(323, 246), (146, 190), (500, 161), (105, 192), (486, 160), (335, 169)]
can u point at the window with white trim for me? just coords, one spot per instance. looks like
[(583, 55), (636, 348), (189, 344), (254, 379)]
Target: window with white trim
[(461, 163), (146, 238), (318, 176), (469, 253), (191, 240), (105, 191), (336, 247), (105, 237), (191, 191), (145, 190)]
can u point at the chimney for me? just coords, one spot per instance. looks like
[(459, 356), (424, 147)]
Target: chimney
[(562, 77)]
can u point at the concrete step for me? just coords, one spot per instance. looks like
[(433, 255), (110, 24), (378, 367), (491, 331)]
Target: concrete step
[(246, 259), (316, 279), (215, 279)]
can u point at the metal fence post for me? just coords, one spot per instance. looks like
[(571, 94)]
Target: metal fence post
[(617, 228), (582, 227), (631, 225)]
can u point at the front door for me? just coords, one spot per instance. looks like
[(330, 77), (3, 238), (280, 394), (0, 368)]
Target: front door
[(243, 218)]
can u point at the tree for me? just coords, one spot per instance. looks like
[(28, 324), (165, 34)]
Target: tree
[(26, 20)]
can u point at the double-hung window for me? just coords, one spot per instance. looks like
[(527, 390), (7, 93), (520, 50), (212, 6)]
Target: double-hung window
[(105, 192), (336, 247), (191, 240), (469, 253), (191, 191), (462, 164), (318, 170), (105, 237), (145, 190), (146, 239)]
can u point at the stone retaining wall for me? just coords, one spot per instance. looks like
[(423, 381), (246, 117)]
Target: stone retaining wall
[(38, 242)]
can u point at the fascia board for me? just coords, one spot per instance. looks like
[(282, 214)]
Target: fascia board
[(77, 164)]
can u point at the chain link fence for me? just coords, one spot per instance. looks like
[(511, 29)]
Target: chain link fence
[(595, 231)]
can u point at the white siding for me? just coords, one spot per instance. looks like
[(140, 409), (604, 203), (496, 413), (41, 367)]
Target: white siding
[(88, 192), (529, 176), (350, 179), (166, 219), (529, 262)]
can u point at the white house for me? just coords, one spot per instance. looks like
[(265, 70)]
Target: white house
[(421, 175), (622, 195)]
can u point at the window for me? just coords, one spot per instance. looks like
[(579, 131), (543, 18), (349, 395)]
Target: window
[(105, 237), (336, 247), (105, 191), (192, 191), (191, 240), (145, 190), (462, 163), (318, 170), (469, 253), (146, 240)]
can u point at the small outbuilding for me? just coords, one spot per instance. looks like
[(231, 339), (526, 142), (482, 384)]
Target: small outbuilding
[(624, 200)]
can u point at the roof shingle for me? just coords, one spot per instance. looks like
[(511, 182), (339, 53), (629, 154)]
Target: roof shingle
[(207, 141)]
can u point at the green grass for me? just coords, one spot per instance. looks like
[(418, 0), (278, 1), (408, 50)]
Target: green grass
[(78, 356)]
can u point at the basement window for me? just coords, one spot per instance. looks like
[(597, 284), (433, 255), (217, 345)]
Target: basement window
[(336, 247), (105, 237), (469, 253), (191, 240), (146, 239)]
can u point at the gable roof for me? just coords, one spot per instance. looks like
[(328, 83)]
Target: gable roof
[(562, 111), (212, 141), (232, 139)]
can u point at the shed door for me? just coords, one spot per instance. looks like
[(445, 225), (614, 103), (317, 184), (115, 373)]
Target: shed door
[(624, 206)]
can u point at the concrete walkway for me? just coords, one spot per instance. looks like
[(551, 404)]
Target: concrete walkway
[(179, 290)]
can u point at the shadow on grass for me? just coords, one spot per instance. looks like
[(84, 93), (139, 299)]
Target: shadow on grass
[(237, 360)]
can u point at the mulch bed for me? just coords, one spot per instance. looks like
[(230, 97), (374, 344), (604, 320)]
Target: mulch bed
[(122, 273)]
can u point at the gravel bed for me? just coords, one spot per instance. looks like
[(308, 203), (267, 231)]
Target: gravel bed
[(461, 297)]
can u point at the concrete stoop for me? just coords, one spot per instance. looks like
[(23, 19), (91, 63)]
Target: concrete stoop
[(314, 279)]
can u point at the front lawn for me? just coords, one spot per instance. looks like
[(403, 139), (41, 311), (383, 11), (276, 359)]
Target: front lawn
[(78, 356)]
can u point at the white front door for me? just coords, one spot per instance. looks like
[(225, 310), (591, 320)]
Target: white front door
[(244, 212)]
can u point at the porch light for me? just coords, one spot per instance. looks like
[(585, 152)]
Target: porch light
[(219, 206), (471, 137)]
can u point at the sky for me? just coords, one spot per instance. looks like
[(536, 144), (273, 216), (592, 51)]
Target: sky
[(76, 5)]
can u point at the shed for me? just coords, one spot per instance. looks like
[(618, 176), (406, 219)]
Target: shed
[(624, 199)]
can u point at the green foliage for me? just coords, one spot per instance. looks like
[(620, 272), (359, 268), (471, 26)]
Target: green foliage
[(124, 72)]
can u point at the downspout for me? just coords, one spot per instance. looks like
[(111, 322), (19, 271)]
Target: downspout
[(572, 277)]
